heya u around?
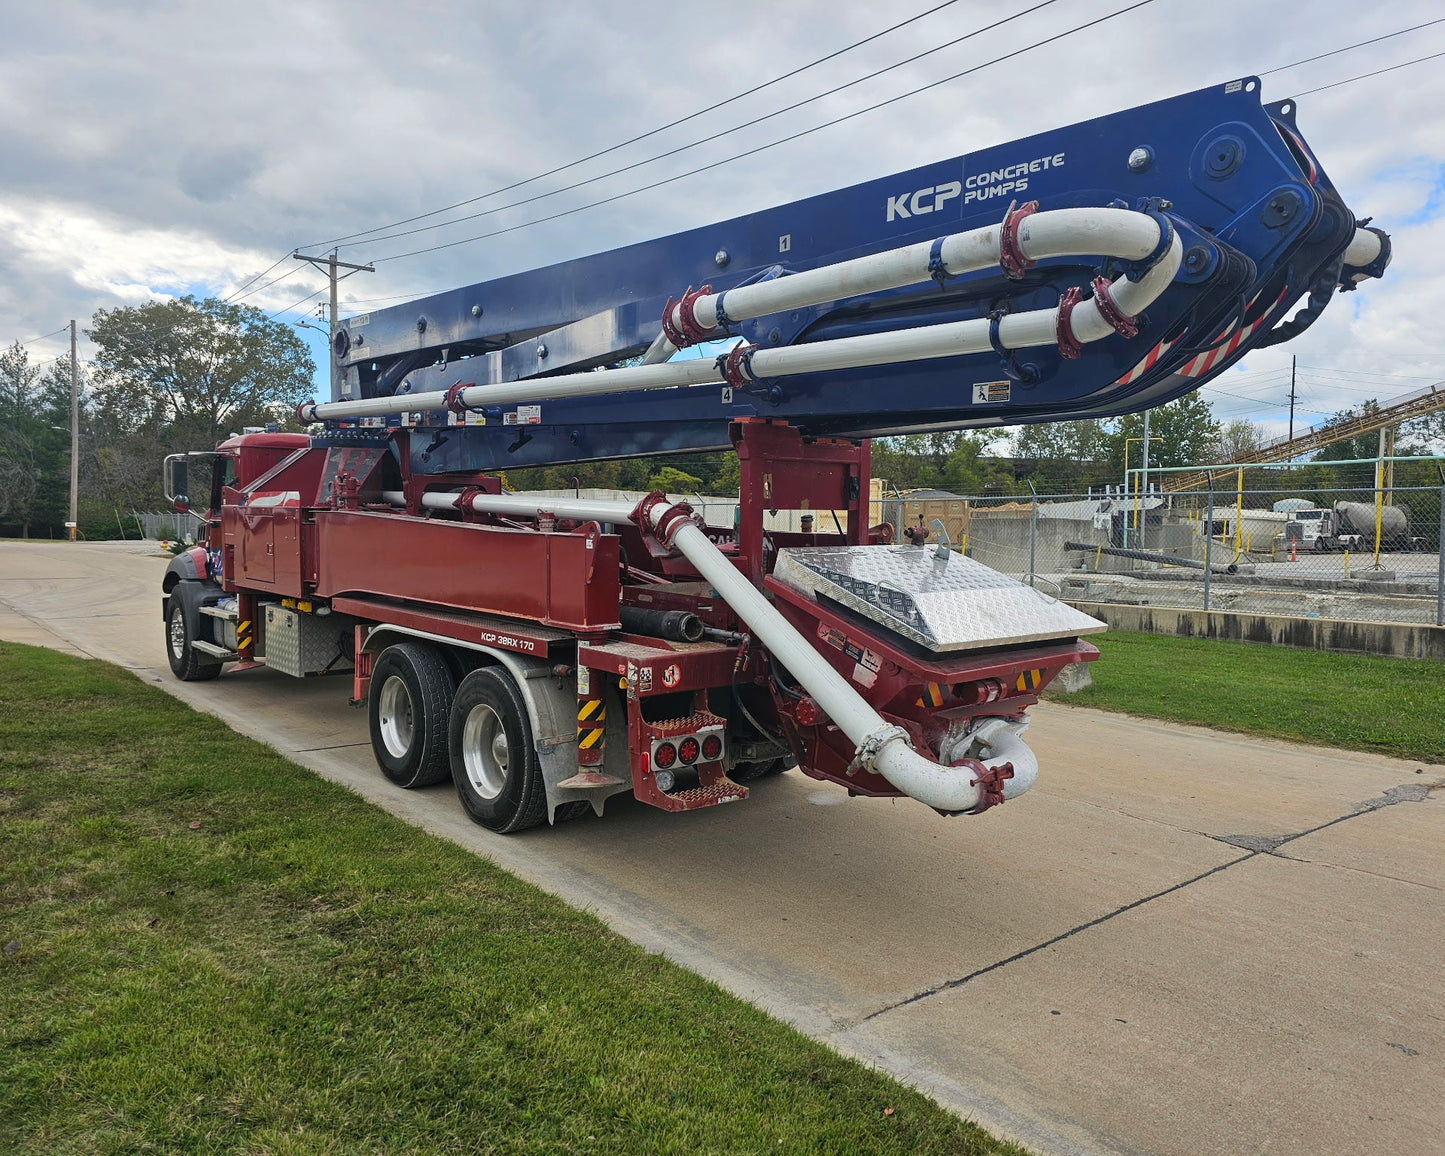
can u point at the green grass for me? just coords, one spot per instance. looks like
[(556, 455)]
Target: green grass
[(1392, 706), (206, 948)]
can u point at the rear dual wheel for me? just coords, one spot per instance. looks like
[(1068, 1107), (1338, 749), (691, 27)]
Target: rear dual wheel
[(411, 692), (493, 757), (425, 728)]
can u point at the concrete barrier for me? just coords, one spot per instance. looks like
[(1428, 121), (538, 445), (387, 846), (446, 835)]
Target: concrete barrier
[(1393, 639)]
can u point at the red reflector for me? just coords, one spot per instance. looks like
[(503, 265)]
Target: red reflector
[(689, 749), (665, 755), (711, 748)]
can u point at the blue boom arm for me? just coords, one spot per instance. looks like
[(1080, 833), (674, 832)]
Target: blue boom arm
[(1260, 225)]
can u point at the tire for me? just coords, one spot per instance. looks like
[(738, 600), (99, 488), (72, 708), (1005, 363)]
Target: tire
[(751, 772), (411, 692), (187, 663), (493, 759)]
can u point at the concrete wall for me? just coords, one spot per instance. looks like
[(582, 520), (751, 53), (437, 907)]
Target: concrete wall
[(1002, 540), (1394, 639)]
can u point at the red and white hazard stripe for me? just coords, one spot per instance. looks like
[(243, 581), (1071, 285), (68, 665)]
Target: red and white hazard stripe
[(1202, 364), (1147, 364)]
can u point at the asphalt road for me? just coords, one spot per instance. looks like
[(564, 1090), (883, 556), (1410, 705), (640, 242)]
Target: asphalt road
[(1180, 942)]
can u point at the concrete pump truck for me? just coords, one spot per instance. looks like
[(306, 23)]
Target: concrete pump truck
[(546, 653)]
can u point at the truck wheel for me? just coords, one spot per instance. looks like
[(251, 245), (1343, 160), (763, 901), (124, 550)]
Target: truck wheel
[(411, 690), (494, 763), (187, 663)]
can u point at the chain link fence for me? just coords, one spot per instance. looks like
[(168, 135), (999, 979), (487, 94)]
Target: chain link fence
[(167, 526), (1351, 553)]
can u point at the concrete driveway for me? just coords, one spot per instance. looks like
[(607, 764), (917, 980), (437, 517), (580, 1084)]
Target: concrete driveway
[(1180, 942)]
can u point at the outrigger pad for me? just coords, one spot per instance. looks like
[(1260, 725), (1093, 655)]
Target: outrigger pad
[(942, 603)]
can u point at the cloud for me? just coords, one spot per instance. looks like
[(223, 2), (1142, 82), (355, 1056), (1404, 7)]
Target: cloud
[(151, 146)]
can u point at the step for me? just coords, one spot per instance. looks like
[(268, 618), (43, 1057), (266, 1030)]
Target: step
[(215, 651), (225, 613)]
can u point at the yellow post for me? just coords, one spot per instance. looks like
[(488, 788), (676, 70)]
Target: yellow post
[(1379, 506), (1238, 511)]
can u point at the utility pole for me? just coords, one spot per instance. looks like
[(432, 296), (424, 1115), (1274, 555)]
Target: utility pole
[(328, 265), (1291, 397), (74, 436)]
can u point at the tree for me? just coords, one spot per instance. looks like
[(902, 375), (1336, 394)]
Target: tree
[(18, 432), (189, 372), (34, 443), (671, 480), (1365, 445), (1186, 430), (944, 459), (1067, 455), (1236, 439)]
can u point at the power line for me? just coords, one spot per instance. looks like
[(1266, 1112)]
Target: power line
[(641, 136), (795, 136), (714, 136), (1367, 75), (1237, 396), (256, 277), (1351, 47), (1373, 373), (274, 281), (290, 308), (638, 164), (32, 340), (773, 144)]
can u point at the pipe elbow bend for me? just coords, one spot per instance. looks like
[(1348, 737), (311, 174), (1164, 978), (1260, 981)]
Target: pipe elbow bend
[(958, 789), (1004, 741)]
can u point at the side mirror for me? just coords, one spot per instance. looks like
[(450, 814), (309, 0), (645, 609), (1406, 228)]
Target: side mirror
[(176, 483)]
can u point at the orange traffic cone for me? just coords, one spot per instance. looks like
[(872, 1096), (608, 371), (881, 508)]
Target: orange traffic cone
[(1293, 557)]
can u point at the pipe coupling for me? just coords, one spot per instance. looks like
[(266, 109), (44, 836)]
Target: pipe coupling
[(868, 749)]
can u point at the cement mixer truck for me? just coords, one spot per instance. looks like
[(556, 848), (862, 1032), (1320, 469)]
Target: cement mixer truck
[(547, 652), (1351, 526)]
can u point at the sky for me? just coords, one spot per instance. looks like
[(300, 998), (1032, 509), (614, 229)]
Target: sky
[(152, 148)]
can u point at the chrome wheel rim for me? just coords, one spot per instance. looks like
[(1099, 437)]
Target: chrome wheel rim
[(484, 751), (398, 730), (177, 635)]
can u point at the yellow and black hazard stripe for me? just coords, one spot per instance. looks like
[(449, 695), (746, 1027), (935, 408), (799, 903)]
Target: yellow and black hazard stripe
[(244, 640), (591, 723), (1028, 680), (932, 696)]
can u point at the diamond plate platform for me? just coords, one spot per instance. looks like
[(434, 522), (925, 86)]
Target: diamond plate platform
[(948, 603)]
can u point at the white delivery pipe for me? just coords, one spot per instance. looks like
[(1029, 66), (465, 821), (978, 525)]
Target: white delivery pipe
[(1363, 248), (1127, 231), (881, 747), (1367, 247), (1120, 233)]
